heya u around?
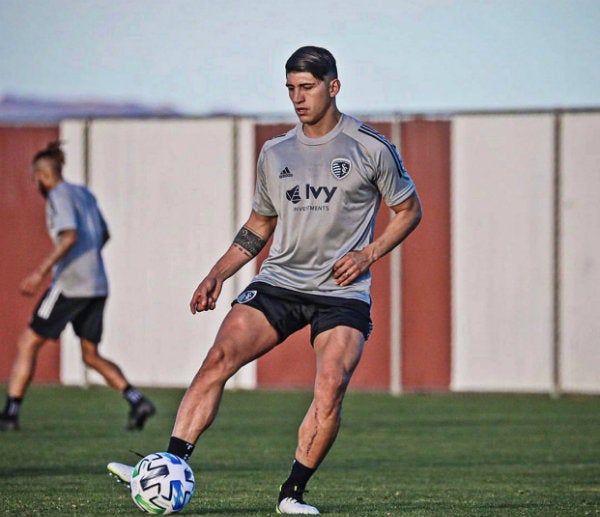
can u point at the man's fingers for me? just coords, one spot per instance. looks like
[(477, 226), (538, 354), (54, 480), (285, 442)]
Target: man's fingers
[(197, 303), (205, 297)]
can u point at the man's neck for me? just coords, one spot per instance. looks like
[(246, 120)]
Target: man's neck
[(54, 184), (324, 126)]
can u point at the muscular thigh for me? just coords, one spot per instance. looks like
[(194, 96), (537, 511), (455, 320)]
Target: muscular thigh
[(338, 351), (245, 334)]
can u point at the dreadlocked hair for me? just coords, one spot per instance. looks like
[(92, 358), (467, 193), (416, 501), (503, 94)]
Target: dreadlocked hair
[(54, 153)]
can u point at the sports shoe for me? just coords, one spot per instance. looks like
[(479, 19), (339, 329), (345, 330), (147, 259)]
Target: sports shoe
[(8, 423), (292, 503), (139, 414), (121, 472)]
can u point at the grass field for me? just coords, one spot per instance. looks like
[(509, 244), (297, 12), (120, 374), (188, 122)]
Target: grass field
[(415, 455)]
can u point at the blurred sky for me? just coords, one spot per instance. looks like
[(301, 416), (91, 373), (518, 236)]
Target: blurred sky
[(228, 55)]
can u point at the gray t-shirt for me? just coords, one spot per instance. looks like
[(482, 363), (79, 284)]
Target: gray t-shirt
[(325, 192), (80, 273)]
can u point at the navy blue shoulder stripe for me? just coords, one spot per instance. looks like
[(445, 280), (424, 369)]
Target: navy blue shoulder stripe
[(367, 130), (276, 136)]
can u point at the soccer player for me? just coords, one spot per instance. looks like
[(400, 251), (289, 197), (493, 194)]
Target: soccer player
[(77, 293), (318, 190)]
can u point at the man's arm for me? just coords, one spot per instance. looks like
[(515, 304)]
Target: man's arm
[(66, 240), (105, 232), (248, 242), (355, 263)]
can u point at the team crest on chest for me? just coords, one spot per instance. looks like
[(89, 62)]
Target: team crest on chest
[(340, 168)]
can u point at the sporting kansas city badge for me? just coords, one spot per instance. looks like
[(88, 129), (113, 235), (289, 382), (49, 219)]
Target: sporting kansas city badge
[(246, 296), (340, 168)]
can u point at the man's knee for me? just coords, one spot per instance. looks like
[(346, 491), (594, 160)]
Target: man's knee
[(90, 356), (89, 360), (334, 377), (330, 390), (30, 341), (220, 362)]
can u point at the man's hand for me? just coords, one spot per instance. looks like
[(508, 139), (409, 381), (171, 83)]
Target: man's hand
[(206, 294), (31, 283), (66, 240), (355, 263), (350, 267), (249, 241)]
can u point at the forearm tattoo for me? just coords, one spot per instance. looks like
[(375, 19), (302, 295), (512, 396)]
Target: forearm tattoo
[(249, 242)]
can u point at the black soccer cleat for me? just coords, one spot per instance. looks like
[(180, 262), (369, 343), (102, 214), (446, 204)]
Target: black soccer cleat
[(139, 413), (9, 423)]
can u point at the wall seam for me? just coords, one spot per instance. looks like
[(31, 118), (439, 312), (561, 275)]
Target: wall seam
[(396, 294), (556, 257)]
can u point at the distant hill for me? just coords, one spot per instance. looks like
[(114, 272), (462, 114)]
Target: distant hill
[(15, 108)]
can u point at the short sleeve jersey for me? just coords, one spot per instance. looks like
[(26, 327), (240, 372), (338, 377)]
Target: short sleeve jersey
[(325, 193), (81, 272)]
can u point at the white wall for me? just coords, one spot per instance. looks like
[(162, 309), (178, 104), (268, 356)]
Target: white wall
[(580, 253), (502, 209), (166, 188)]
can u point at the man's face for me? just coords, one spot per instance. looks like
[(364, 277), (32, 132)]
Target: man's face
[(310, 96), (41, 174)]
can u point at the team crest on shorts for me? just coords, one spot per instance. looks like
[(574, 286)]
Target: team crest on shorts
[(246, 296), (340, 167)]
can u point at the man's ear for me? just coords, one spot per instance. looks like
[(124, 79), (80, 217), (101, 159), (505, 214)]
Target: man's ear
[(334, 87)]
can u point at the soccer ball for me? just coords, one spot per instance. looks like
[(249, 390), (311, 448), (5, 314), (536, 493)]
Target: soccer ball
[(162, 483)]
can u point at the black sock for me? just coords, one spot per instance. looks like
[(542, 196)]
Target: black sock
[(132, 395), (13, 406), (298, 479), (180, 448)]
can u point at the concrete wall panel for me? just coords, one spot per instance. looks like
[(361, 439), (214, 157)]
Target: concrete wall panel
[(580, 253), (502, 169), (168, 190)]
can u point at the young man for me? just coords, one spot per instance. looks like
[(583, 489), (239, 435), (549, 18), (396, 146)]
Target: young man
[(318, 190), (78, 291)]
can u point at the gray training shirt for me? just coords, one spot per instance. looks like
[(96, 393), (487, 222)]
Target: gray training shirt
[(80, 273), (325, 192)]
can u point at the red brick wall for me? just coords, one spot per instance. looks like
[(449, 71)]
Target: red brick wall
[(23, 243), (426, 295)]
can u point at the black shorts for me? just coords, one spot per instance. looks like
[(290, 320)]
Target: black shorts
[(55, 310), (288, 311)]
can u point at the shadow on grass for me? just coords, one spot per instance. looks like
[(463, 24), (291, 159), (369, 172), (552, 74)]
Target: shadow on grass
[(51, 470)]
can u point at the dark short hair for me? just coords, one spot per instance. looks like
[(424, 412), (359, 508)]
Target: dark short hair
[(316, 60)]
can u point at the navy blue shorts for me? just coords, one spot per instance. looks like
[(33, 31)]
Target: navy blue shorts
[(55, 310), (288, 311)]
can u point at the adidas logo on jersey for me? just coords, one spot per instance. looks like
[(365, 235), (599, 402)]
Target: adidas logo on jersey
[(285, 173)]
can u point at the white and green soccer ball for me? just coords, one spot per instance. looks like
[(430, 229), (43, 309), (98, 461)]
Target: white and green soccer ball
[(162, 483)]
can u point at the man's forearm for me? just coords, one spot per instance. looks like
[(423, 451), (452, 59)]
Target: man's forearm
[(246, 245), (230, 263), (66, 241), (399, 228)]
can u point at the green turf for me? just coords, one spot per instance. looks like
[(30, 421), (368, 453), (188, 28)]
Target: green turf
[(415, 455)]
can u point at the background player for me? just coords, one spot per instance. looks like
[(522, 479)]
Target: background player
[(318, 191), (77, 293)]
